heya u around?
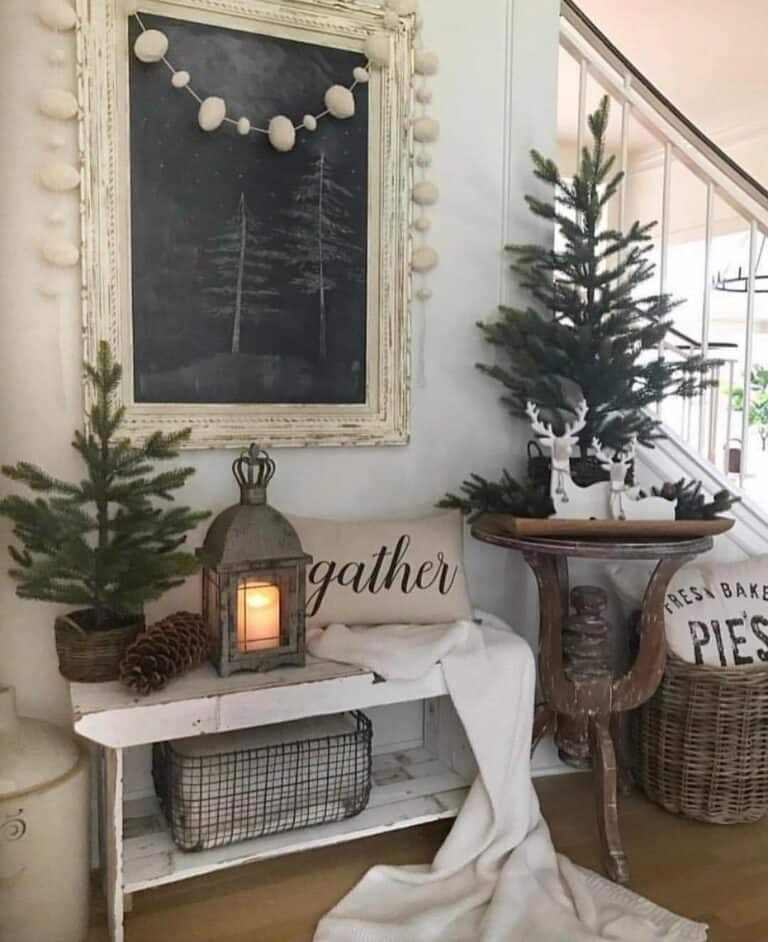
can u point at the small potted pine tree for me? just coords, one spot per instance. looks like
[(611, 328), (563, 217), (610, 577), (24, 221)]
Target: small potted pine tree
[(103, 544)]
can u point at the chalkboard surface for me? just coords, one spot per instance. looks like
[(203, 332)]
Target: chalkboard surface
[(248, 266)]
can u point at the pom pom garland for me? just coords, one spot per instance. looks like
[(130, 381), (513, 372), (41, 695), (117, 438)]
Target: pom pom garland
[(426, 130), (425, 63), (57, 103), (424, 259), (377, 49), (340, 102), (212, 112), (59, 177), (282, 134), (150, 46), (425, 193), (59, 252), (57, 14)]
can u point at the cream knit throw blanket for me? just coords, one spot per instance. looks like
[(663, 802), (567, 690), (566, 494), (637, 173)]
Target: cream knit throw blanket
[(497, 877)]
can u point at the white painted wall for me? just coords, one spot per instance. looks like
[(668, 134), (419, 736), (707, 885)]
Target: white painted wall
[(495, 96)]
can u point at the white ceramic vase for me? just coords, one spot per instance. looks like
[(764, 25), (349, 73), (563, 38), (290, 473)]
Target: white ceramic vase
[(44, 864)]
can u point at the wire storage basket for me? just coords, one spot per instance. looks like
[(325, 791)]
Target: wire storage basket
[(216, 790), (703, 742)]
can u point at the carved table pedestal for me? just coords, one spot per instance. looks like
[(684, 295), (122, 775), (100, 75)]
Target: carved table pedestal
[(583, 701)]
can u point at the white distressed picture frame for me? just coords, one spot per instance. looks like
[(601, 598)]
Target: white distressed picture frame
[(103, 89)]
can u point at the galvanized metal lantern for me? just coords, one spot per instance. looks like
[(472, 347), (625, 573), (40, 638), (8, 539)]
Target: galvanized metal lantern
[(254, 577)]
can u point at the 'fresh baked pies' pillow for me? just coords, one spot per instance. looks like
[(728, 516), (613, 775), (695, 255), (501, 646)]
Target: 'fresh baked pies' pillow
[(718, 613)]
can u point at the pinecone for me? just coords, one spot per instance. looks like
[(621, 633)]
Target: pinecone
[(169, 647)]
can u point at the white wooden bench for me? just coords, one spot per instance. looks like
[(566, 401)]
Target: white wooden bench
[(410, 786)]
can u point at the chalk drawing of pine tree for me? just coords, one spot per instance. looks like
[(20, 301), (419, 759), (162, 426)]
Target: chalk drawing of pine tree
[(321, 234), (242, 267)]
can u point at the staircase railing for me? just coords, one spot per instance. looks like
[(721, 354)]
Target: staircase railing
[(681, 141)]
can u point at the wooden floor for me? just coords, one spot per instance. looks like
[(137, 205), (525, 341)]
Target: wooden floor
[(717, 875)]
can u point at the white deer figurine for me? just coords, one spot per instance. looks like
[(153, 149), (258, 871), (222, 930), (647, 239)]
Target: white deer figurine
[(625, 503), (571, 501)]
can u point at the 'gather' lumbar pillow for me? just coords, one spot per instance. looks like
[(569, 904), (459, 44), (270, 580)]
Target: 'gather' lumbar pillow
[(718, 614), (379, 572)]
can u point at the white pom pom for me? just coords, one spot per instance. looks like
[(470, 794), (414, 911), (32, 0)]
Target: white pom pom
[(150, 46), (56, 14), (56, 142), (424, 159), (59, 176), (57, 57), (424, 95), (390, 19), (180, 79), (282, 135), (425, 193), (422, 223), (423, 294), (377, 49), (340, 101), (424, 259), (243, 126), (424, 62), (57, 103), (310, 122), (360, 74), (211, 113), (59, 252), (426, 130), (56, 218)]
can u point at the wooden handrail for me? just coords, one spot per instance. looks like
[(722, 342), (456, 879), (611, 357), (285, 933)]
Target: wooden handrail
[(668, 111)]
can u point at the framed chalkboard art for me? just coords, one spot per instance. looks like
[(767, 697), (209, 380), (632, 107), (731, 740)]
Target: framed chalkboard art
[(246, 211)]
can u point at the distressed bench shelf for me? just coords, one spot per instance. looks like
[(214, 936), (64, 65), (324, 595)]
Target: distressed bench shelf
[(414, 788), (409, 787)]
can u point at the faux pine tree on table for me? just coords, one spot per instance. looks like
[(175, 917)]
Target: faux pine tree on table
[(592, 330), (106, 544)]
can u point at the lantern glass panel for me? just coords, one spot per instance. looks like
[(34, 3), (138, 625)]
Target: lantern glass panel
[(258, 615)]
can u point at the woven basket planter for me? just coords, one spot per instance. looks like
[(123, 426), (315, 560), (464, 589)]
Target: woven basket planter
[(703, 743), (92, 655)]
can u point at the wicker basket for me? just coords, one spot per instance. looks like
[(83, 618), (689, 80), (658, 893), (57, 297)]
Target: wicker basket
[(584, 471), (703, 743), (88, 655)]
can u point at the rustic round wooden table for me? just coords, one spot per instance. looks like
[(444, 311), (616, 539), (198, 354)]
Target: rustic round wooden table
[(583, 701)]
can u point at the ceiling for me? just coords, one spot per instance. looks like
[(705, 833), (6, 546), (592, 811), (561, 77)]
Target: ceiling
[(709, 57)]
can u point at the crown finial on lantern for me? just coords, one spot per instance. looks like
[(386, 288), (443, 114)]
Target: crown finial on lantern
[(253, 470)]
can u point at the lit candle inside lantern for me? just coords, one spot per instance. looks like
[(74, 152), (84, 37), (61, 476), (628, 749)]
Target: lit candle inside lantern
[(258, 616)]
